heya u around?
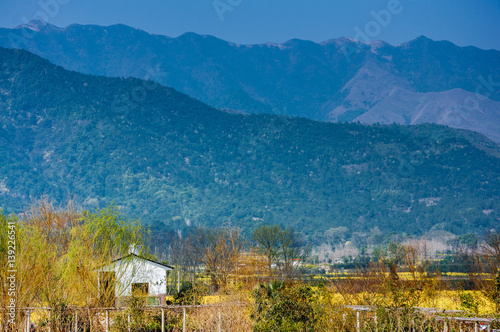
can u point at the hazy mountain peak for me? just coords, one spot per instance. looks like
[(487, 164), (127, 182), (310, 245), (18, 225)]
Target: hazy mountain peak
[(127, 27), (296, 41), (420, 40), (199, 37), (375, 45), (190, 34), (39, 25), (343, 41)]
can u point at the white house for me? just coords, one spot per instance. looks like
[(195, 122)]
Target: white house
[(133, 273)]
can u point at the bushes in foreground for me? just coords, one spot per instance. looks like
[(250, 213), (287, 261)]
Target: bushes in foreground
[(280, 307)]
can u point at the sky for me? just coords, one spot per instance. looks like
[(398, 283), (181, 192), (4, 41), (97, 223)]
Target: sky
[(463, 22)]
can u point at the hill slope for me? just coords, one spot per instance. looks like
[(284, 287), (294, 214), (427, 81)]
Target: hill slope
[(446, 108), (176, 162), (338, 79)]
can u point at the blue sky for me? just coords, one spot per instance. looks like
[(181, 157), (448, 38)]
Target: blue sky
[(464, 22)]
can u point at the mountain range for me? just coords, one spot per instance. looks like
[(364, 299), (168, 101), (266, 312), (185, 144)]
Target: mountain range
[(421, 81), (175, 162)]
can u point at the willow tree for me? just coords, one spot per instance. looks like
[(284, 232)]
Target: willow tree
[(101, 237), (44, 237), (59, 252)]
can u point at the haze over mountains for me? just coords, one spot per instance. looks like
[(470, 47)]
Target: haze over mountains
[(419, 81), (176, 162)]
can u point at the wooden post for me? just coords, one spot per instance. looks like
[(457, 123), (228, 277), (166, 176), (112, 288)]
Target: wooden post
[(76, 320), (91, 318), (107, 321), (184, 320), (445, 329), (376, 323), (476, 327), (220, 321), (162, 320), (358, 327), (128, 319), (28, 321), (50, 320)]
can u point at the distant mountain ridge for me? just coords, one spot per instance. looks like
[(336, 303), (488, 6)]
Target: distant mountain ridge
[(336, 80), (176, 163)]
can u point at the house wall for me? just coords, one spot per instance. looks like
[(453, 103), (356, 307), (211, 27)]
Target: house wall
[(135, 270)]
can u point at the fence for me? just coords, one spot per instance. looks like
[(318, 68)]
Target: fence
[(478, 323), (104, 318)]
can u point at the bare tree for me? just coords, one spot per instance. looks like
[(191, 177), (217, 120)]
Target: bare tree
[(293, 251), (182, 256), (491, 265), (415, 259), (267, 239), (396, 253), (484, 260), (219, 250), (284, 248)]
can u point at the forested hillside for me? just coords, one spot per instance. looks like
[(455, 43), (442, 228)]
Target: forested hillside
[(175, 162)]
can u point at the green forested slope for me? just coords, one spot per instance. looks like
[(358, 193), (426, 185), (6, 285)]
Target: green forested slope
[(175, 162)]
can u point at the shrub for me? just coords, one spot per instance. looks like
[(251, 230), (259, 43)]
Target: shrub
[(468, 302), (282, 307), (188, 294)]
